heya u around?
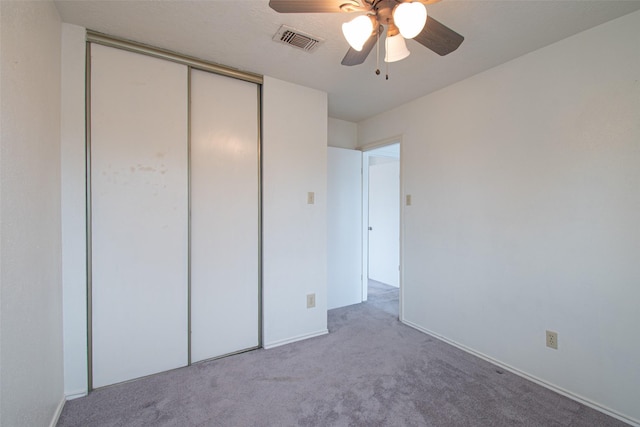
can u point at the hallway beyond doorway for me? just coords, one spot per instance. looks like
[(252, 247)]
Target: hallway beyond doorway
[(384, 297)]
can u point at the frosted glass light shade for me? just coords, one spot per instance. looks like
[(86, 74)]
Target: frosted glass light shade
[(357, 31), (396, 49), (410, 18)]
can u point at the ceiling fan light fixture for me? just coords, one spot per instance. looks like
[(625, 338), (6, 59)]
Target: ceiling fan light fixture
[(357, 31), (395, 48), (410, 18)]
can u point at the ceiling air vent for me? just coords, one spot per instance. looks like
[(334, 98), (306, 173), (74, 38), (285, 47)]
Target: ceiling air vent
[(296, 38)]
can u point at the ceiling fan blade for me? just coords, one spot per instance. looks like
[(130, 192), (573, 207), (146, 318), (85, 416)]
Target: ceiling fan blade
[(307, 6), (353, 57), (438, 37)]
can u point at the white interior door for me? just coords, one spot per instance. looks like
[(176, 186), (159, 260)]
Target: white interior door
[(224, 216), (344, 227), (139, 205), (384, 221)]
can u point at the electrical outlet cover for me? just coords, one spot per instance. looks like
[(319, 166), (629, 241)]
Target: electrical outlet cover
[(311, 300), (552, 340)]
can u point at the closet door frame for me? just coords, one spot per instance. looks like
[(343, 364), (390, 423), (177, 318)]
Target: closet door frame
[(224, 227), (192, 64)]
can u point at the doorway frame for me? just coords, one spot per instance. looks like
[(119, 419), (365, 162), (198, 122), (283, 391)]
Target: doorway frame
[(365, 216)]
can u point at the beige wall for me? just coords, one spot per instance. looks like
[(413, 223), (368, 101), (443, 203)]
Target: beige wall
[(31, 370)]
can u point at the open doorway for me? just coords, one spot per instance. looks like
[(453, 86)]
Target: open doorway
[(381, 209)]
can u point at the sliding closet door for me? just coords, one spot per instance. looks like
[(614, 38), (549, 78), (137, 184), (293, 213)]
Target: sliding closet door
[(139, 202), (224, 215)]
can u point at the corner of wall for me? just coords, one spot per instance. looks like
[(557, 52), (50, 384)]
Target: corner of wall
[(342, 134)]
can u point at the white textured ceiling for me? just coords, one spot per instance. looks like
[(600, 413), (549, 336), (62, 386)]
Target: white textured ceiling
[(239, 34)]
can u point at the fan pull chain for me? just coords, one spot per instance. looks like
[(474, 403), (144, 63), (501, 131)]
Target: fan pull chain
[(386, 51), (386, 40), (378, 52)]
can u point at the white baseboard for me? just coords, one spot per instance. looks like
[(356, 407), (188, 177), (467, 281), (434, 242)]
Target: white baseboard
[(56, 415), (76, 395), (543, 383), (294, 339)]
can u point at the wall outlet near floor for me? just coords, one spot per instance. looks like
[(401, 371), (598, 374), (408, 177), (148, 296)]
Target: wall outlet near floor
[(552, 340), (311, 300)]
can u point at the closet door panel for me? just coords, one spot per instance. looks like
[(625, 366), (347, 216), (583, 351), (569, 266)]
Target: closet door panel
[(224, 215), (139, 199)]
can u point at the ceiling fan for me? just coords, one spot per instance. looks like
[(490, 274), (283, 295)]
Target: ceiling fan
[(402, 18)]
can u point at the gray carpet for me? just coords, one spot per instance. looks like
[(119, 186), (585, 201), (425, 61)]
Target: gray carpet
[(371, 370), (384, 297)]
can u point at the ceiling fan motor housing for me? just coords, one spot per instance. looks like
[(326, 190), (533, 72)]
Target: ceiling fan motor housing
[(434, 35)]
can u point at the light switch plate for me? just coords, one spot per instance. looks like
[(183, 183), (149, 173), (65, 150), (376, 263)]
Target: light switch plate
[(311, 198)]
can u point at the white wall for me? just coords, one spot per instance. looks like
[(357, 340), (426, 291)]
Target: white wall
[(74, 236), (524, 217), (31, 367), (342, 134), (294, 232)]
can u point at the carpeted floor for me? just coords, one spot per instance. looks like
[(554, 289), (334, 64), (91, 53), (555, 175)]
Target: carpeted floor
[(384, 297), (370, 370)]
